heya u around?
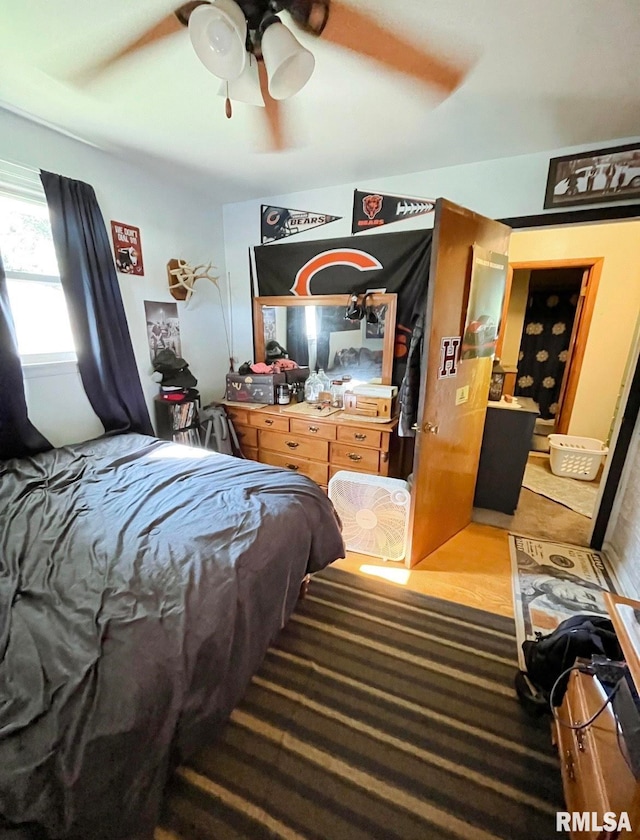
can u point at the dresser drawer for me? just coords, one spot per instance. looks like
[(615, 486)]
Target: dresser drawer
[(577, 796), (269, 421), (354, 457), (247, 436), (238, 416), (600, 762), (594, 774), (312, 469), (313, 429), (292, 444), (360, 436)]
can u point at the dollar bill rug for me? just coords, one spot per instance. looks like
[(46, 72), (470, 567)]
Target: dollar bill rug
[(553, 581)]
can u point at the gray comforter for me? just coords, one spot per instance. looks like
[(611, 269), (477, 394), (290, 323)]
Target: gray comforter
[(140, 585)]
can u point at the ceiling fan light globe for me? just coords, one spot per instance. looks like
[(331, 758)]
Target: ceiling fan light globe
[(218, 33), (289, 65)]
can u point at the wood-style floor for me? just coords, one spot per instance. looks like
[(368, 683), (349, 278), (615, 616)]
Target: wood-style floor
[(473, 568)]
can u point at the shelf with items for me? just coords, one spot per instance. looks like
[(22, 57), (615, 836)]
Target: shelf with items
[(178, 420)]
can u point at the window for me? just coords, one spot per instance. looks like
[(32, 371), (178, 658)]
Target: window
[(35, 292)]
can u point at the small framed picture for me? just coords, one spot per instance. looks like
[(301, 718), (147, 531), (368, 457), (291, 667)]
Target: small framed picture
[(590, 177), (376, 330)]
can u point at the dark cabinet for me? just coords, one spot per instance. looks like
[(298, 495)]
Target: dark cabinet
[(506, 444), (178, 421)]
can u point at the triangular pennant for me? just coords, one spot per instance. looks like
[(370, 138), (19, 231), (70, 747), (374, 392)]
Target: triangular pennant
[(281, 222), (372, 209)]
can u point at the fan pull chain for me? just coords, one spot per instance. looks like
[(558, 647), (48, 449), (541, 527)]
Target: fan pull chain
[(227, 105)]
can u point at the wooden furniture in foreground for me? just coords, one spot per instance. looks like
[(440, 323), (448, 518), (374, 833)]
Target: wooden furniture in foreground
[(595, 775), (317, 448)]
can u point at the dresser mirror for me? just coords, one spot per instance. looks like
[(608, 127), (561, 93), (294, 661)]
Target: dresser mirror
[(315, 333)]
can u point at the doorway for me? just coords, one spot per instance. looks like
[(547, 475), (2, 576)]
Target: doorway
[(547, 320), (547, 316)]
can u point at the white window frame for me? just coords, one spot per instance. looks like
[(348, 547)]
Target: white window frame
[(23, 183)]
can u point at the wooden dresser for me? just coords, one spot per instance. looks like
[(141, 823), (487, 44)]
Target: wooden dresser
[(318, 447), (595, 775)]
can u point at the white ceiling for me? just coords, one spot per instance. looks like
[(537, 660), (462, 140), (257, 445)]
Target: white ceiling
[(546, 74)]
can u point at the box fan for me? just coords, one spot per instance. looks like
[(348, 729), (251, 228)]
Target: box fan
[(374, 511)]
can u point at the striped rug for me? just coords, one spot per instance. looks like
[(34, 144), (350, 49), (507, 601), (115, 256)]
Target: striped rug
[(378, 713)]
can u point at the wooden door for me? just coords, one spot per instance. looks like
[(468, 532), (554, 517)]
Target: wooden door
[(449, 435)]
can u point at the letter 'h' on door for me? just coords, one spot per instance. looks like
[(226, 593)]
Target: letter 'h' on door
[(449, 349)]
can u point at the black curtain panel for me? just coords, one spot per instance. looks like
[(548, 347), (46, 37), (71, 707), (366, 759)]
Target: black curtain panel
[(18, 436), (105, 354), (544, 347)]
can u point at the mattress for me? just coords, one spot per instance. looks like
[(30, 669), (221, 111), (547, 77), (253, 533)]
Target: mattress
[(141, 583)]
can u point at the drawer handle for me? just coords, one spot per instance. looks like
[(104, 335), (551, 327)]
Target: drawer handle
[(292, 445), (354, 457), (268, 422), (360, 436), (314, 429), (293, 467), (568, 764)]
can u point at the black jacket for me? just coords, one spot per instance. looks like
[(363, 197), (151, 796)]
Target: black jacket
[(409, 394)]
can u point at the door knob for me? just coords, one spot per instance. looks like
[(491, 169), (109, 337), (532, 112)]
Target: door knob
[(428, 427)]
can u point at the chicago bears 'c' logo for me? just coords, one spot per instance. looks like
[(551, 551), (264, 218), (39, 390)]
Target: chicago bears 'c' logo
[(359, 260), (372, 205)]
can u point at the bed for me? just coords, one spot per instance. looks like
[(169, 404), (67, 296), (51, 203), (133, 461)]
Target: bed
[(141, 583)]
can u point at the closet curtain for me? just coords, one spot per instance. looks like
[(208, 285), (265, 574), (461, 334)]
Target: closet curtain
[(544, 348), (103, 345), (18, 436)]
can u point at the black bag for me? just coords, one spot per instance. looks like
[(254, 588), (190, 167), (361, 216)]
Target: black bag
[(175, 371), (578, 637)]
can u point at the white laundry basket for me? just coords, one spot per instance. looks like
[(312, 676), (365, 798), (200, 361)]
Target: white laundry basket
[(576, 457)]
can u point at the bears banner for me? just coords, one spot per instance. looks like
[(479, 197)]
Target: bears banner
[(280, 222), (371, 209), (395, 263)]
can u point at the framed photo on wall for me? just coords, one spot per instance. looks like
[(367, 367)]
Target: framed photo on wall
[(376, 330), (589, 177)]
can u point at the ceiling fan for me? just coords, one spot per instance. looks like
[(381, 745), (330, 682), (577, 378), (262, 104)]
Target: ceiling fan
[(259, 60)]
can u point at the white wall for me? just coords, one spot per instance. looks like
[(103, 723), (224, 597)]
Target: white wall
[(173, 223), (622, 542), (615, 313), (495, 188)]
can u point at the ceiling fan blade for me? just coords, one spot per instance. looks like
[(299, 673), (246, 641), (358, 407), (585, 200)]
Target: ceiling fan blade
[(172, 23), (311, 15), (354, 30), (273, 110)]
